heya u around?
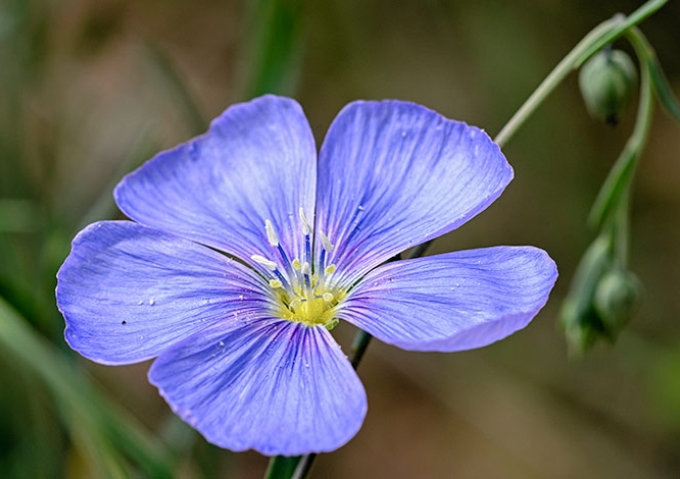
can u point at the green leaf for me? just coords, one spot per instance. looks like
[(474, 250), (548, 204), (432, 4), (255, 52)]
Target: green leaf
[(615, 185)]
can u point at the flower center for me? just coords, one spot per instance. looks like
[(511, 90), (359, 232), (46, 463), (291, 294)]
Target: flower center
[(301, 287)]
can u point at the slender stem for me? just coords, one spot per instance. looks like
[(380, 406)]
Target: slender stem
[(551, 82), (361, 341), (420, 250), (304, 466), (638, 139)]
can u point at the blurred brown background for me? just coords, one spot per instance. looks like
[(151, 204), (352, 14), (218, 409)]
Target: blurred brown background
[(97, 102)]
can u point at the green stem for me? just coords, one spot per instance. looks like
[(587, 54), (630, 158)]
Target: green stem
[(634, 146), (604, 33), (359, 345), (304, 466)]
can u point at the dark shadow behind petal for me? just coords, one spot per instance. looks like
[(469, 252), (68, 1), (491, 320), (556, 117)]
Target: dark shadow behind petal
[(129, 292), (455, 301), (394, 174), (271, 385), (257, 162)]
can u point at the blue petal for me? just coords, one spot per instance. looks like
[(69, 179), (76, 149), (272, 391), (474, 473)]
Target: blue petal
[(394, 174), (271, 385), (129, 292), (257, 162), (452, 302)]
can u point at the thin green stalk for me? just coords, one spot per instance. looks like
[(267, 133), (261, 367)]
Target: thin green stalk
[(304, 466), (420, 250), (634, 147), (359, 345), (282, 467)]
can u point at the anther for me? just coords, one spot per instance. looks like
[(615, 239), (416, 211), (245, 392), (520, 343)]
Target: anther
[(296, 264), (306, 228), (270, 265), (330, 269), (275, 283), (271, 234), (328, 297), (326, 242)]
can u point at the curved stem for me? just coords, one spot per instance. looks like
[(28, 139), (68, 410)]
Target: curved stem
[(606, 32), (637, 141)]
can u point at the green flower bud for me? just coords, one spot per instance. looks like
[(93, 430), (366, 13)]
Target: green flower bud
[(579, 320), (616, 296), (607, 83)]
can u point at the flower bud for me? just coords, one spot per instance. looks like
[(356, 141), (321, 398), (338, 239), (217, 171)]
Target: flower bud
[(607, 83), (616, 296), (578, 318)]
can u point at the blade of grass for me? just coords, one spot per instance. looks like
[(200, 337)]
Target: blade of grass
[(78, 400), (277, 47)]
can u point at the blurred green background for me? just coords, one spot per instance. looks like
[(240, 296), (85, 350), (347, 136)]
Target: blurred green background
[(89, 89)]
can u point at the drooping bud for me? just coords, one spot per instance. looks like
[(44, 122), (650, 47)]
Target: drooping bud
[(578, 318), (607, 83), (616, 296), (601, 300)]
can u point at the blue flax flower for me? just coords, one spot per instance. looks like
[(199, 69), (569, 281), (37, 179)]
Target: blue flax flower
[(245, 250)]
